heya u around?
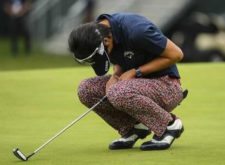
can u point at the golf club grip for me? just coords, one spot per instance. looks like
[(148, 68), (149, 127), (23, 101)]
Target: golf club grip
[(69, 125)]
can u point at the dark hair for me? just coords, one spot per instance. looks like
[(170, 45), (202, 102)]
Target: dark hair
[(84, 39)]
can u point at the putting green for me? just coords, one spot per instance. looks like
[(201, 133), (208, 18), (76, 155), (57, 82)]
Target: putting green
[(35, 104)]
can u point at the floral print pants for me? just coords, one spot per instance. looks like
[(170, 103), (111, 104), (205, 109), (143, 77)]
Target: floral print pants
[(139, 100)]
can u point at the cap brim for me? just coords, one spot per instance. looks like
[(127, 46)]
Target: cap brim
[(101, 65)]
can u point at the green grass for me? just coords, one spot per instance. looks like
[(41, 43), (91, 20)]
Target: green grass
[(35, 104), (36, 60)]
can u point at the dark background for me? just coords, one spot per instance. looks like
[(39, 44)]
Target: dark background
[(210, 6)]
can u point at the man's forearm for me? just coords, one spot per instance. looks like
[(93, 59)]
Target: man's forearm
[(155, 65), (171, 55)]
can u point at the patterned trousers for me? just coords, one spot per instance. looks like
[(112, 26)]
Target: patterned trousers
[(146, 101)]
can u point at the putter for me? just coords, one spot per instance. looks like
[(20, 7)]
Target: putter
[(17, 152)]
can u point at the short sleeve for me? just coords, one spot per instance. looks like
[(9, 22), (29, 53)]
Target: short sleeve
[(150, 39)]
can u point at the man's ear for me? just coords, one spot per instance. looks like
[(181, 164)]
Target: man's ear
[(107, 40)]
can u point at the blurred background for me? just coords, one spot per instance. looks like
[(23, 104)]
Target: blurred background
[(38, 29)]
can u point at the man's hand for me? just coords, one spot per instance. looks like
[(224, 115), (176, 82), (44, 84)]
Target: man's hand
[(128, 75), (113, 79)]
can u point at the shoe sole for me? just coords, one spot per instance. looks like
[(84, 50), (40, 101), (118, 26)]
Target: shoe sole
[(128, 146), (121, 146)]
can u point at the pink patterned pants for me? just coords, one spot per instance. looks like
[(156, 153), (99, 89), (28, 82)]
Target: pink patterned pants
[(148, 101)]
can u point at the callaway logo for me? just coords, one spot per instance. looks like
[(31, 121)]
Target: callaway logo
[(129, 54)]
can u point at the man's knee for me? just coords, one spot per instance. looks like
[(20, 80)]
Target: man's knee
[(85, 91), (118, 95), (91, 89)]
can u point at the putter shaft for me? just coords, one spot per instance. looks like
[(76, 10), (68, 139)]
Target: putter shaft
[(64, 129)]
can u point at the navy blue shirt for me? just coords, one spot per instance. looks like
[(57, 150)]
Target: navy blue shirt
[(136, 42)]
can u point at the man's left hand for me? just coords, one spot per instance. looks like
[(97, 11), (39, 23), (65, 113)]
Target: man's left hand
[(128, 75)]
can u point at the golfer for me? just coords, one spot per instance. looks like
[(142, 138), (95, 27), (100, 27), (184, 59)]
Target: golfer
[(145, 84)]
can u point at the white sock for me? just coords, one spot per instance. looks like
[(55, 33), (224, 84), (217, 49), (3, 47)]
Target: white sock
[(141, 126)]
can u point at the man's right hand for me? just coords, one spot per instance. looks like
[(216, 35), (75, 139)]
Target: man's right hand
[(117, 71), (113, 79)]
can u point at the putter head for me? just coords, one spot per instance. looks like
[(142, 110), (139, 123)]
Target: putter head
[(19, 154)]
